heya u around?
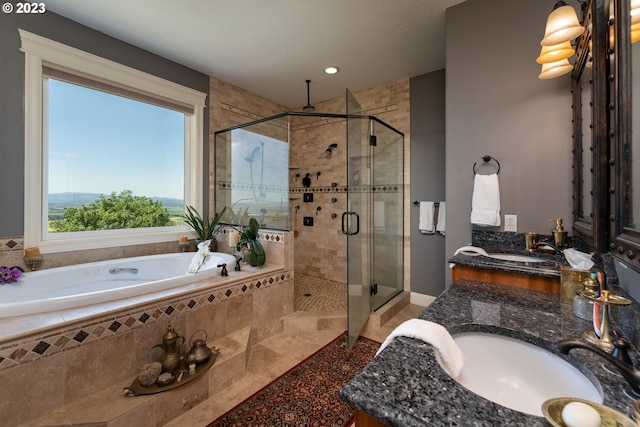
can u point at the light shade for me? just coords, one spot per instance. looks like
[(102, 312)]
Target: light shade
[(562, 25), (555, 53), (635, 11), (555, 69)]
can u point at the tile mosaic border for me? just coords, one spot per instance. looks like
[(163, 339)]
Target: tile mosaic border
[(265, 235), (382, 188), (11, 243), (66, 338)]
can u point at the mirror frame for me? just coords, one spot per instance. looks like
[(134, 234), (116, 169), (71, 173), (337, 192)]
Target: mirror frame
[(593, 231), (625, 244)]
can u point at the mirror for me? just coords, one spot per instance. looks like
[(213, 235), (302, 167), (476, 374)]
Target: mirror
[(590, 155), (625, 90), (586, 167)]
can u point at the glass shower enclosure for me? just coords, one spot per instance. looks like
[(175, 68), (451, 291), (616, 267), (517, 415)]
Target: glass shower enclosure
[(373, 221), (252, 179)]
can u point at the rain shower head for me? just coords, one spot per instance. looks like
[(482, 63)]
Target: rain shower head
[(309, 108), (329, 148)]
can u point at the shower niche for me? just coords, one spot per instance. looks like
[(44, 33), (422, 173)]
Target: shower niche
[(349, 227)]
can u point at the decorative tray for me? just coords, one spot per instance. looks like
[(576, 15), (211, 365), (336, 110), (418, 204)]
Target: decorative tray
[(552, 410), (137, 389)]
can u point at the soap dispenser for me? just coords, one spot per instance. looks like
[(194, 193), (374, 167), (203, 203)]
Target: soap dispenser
[(559, 233)]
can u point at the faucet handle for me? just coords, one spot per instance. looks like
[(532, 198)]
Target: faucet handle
[(621, 349)]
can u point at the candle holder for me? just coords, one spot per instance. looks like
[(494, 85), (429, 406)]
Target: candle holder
[(183, 245), (33, 262)]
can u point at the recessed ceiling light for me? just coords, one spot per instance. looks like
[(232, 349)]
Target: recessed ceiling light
[(331, 70)]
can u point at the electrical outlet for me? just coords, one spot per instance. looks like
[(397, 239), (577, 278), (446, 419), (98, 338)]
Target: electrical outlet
[(511, 223)]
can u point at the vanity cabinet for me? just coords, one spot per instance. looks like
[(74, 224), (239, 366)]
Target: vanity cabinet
[(509, 278), (364, 420)]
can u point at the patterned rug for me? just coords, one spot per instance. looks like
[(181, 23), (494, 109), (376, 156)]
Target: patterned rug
[(307, 395)]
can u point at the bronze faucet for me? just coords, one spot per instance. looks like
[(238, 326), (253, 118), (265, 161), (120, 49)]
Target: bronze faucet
[(541, 246), (619, 358)]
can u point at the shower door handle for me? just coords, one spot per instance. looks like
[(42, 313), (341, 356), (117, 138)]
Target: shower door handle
[(345, 229)]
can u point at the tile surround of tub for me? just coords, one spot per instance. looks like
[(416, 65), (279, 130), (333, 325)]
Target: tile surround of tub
[(84, 358)]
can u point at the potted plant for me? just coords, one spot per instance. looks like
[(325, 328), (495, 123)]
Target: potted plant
[(249, 239), (204, 230)]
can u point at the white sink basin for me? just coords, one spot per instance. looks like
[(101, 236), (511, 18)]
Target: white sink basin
[(515, 257), (519, 375)]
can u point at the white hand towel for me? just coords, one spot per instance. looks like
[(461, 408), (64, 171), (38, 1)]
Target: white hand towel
[(200, 257), (447, 351), (426, 218), (442, 214), (485, 204)]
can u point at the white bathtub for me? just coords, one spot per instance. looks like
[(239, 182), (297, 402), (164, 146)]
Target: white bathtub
[(104, 281)]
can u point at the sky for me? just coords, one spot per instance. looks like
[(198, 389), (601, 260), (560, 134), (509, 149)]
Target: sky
[(100, 143)]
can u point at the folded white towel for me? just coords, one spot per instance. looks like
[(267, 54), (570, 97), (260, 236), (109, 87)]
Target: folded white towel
[(485, 204), (447, 351), (200, 257), (425, 224), (442, 214)]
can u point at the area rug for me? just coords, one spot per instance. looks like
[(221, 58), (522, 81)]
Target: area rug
[(309, 393)]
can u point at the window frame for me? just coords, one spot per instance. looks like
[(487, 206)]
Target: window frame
[(39, 50)]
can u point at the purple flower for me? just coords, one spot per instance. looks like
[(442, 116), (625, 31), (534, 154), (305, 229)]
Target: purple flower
[(10, 274)]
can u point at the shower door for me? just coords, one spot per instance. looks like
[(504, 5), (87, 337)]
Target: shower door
[(355, 221), (373, 221)]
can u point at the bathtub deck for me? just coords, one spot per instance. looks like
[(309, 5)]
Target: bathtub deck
[(19, 328)]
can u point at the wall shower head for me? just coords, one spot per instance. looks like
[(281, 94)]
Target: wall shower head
[(329, 148), (309, 108), (252, 157)]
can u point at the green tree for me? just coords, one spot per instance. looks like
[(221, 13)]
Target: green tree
[(117, 211)]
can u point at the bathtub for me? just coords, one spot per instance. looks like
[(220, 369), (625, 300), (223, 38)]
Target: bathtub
[(98, 282)]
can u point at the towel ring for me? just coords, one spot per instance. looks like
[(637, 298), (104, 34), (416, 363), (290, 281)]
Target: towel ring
[(487, 159)]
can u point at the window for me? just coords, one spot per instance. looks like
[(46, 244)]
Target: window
[(98, 134)]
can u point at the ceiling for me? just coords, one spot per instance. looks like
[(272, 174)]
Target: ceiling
[(270, 47)]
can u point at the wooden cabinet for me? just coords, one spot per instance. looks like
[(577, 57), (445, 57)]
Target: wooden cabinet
[(364, 420), (501, 277)]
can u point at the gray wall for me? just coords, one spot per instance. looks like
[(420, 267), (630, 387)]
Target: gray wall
[(427, 178), (73, 34), (496, 105)]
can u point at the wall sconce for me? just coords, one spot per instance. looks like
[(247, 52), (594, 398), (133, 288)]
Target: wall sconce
[(635, 20), (555, 69), (562, 27), (555, 53), (329, 148)]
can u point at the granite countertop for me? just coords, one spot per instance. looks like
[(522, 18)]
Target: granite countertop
[(405, 386), (550, 267)]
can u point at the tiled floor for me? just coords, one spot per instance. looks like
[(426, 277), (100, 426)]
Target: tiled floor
[(314, 294), (273, 357)]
